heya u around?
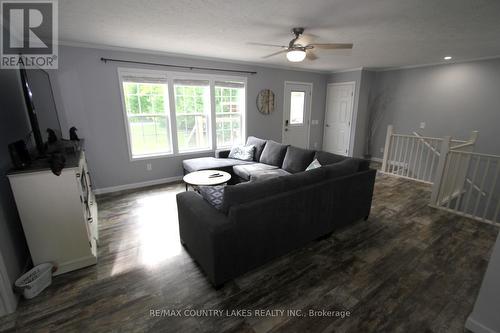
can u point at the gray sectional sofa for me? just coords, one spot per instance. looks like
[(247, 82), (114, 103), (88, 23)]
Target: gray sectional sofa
[(275, 207)]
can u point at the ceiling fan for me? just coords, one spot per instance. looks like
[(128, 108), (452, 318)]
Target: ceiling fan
[(296, 52)]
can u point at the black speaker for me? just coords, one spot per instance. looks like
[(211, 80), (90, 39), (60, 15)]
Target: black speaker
[(19, 154)]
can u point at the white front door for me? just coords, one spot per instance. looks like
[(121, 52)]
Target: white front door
[(338, 117), (296, 114)]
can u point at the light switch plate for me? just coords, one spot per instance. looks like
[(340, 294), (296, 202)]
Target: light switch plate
[(422, 125)]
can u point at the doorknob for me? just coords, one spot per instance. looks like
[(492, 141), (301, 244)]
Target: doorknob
[(327, 125), (286, 122)]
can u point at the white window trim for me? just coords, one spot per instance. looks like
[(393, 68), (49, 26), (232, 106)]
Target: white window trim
[(170, 76)]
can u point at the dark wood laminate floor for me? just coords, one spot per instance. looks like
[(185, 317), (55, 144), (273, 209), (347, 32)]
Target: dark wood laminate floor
[(409, 268)]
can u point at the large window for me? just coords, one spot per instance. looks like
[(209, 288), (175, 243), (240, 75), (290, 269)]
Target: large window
[(147, 112), (192, 112), (229, 111), (168, 113)]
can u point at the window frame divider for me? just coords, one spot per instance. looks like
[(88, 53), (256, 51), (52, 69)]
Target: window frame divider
[(213, 119)]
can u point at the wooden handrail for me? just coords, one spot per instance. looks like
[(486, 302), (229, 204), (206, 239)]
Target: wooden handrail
[(423, 139), (463, 145)]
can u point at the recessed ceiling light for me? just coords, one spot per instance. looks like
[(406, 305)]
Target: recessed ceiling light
[(447, 58)]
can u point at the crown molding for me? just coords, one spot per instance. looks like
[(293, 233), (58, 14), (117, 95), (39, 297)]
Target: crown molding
[(355, 69), (442, 63), (186, 56)]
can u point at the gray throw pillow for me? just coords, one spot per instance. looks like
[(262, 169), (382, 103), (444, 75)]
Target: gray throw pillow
[(259, 146), (326, 158), (297, 159), (273, 153), (244, 153), (214, 195)]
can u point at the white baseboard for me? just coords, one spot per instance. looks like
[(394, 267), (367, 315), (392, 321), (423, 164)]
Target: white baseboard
[(137, 185), (477, 327), (376, 159)]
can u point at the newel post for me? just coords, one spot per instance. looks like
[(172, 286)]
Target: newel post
[(390, 130), (443, 155), (473, 139)]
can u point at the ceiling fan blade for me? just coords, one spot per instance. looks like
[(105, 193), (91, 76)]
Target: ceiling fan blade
[(332, 46), (264, 44), (275, 53), (311, 56), (306, 39)]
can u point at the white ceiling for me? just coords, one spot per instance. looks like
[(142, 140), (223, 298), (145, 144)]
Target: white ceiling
[(385, 33)]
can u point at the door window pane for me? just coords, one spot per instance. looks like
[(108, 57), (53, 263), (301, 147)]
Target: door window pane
[(192, 112), (297, 99), (229, 111), (147, 113)]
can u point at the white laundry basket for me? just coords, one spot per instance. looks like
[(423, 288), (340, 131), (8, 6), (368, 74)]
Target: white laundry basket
[(35, 280)]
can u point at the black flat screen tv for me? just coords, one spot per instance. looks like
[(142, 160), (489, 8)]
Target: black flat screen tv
[(40, 105)]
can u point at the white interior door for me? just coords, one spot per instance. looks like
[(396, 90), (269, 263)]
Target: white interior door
[(296, 114), (338, 117)]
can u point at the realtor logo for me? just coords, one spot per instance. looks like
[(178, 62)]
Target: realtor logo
[(29, 34)]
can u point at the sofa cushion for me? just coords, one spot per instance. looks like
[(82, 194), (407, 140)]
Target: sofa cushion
[(340, 169), (258, 144), (273, 153), (325, 158), (214, 195), (250, 191), (268, 174), (246, 171), (304, 178), (207, 163), (244, 153), (297, 159)]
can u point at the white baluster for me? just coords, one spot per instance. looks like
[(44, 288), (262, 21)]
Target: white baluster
[(388, 137)]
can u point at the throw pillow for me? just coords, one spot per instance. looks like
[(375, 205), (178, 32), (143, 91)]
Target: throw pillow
[(326, 158), (259, 146), (273, 153), (214, 195), (297, 159), (314, 165), (244, 153)]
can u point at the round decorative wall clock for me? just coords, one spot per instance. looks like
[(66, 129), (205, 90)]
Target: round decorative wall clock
[(265, 101)]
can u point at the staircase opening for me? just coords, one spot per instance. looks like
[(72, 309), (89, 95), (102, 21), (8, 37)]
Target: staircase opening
[(463, 181)]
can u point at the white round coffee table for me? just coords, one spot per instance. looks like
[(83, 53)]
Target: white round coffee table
[(206, 178)]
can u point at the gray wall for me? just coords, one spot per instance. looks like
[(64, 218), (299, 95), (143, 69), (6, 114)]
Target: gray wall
[(90, 99), (451, 99), (13, 126)]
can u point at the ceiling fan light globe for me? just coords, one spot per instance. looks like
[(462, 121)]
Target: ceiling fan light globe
[(296, 55)]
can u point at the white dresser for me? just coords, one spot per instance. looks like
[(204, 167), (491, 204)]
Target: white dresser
[(58, 214)]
